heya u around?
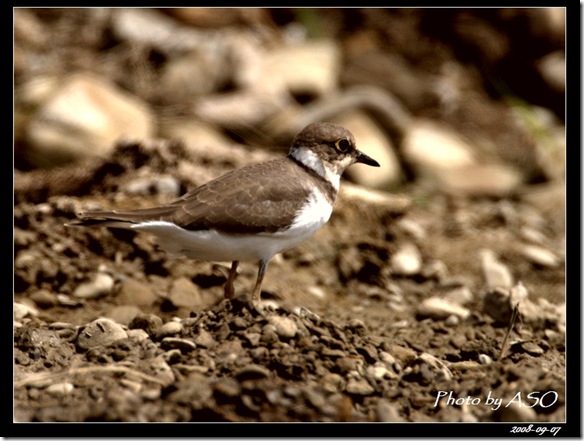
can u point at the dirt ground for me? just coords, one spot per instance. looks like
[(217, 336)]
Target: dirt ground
[(110, 329)]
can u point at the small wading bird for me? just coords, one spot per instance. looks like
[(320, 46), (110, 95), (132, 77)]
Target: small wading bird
[(251, 213)]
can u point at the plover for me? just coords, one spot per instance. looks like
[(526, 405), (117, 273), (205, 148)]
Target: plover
[(252, 213)]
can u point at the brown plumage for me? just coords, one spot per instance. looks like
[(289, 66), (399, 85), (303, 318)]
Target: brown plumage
[(254, 212)]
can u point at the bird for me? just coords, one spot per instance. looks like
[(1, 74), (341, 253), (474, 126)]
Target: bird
[(251, 213)]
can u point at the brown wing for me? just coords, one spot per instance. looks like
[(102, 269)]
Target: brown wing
[(260, 197)]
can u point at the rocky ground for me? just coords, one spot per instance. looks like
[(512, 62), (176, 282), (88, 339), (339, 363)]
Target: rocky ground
[(434, 294)]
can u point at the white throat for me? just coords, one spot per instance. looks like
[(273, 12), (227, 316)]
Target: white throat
[(314, 162)]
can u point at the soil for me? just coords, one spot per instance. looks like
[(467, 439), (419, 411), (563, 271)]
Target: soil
[(342, 339), (352, 320)]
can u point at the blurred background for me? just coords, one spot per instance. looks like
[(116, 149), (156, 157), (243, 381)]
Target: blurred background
[(466, 101)]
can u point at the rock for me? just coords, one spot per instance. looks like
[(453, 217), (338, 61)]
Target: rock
[(124, 314), (232, 109), (100, 332), (169, 329), (148, 322), (60, 389), (22, 310), (495, 273), (100, 286), (539, 256), (514, 412), (499, 303), (440, 370), (193, 73), (532, 348), (487, 180), (165, 185), (84, 118), (385, 412), (440, 309), (461, 296), (359, 386), (182, 344), (44, 299), (133, 292), (444, 158), (184, 293), (485, 359), (433, 149), (206, 340), (252, 372), (284, 326), (159, 368), (374, 142), (452, 321), (552, 68), (309, 68), (195, 135), (407, 261), (137, 334)]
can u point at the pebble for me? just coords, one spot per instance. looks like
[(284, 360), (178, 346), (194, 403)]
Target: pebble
[(441, 371), (149, 185), (485, 359), (495, 273), (497, 304), (462, 295), (253, 338), (439, 309), (407, 261), (124, 314), (317, 292), (452, 321), (169, 329), (100, 332), (65, 300), (332, 382), (269, 335), (532, 348), (137, 334), (60, 389), (252, 372), (148, 322), (133, 292), (284, 326), (182, 344), (205, 339), (349, 364), (184, 294), (385, 412), (516, 413), (44, 299), (359, 386), (227, 387), (159, 368), (378, 371), (22, 310), (540, 256), (435, 269), (100, 286)]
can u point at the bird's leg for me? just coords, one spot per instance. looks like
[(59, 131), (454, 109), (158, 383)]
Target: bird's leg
[(229, 290), (256, 296)]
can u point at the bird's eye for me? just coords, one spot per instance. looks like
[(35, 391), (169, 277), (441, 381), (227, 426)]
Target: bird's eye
[(343, 145)]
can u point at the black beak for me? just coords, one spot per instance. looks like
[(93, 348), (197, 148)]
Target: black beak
[(364, 159)]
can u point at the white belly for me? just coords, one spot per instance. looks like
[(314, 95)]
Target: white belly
[(215, 246)]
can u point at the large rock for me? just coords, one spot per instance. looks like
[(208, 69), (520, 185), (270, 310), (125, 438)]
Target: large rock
[(84, 117), (374, 142), (442, 157)]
